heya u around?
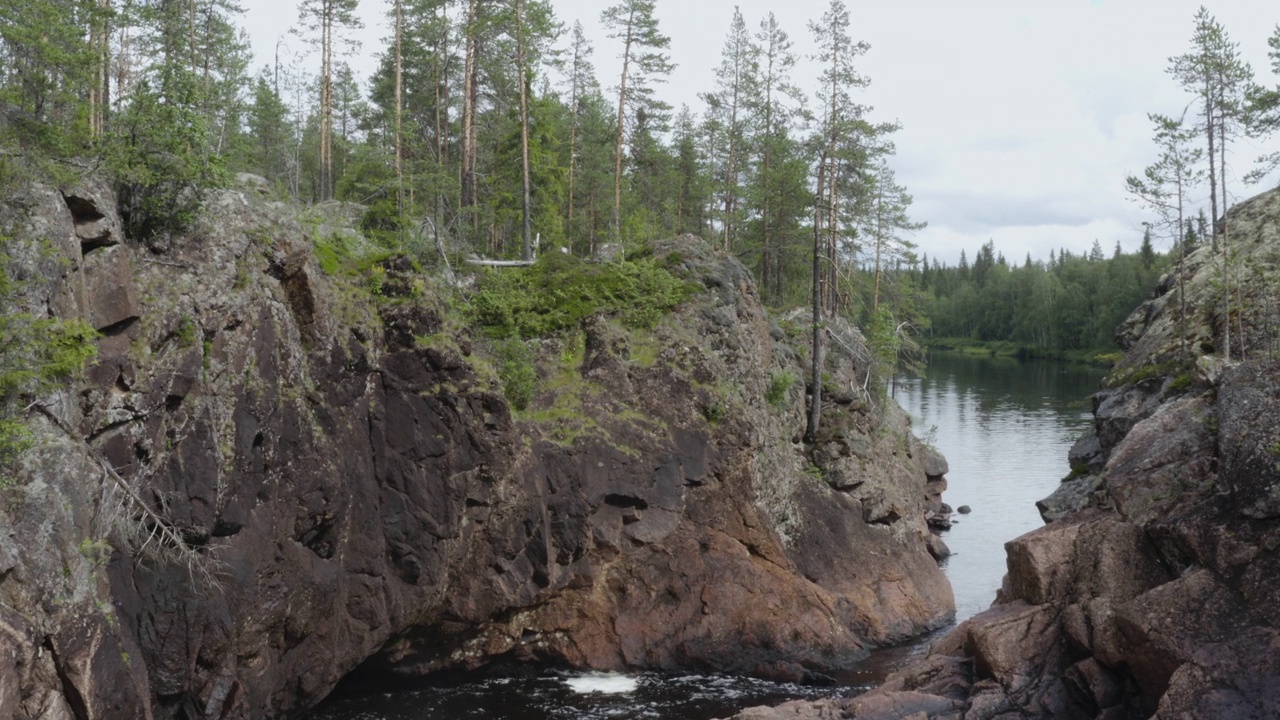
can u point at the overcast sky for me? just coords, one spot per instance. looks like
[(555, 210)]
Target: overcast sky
[(1020, 118)]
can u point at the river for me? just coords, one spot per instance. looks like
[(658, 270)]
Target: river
[(1005, 427)]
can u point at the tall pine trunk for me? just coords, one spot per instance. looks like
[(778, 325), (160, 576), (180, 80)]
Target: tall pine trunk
[(524, 133), (399, 10), (469, 96), (622, 118), (818, 348)]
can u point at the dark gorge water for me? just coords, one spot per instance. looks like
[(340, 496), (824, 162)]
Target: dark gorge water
[(1005, 427)]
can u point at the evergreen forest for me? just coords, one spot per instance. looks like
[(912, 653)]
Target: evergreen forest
[(486, 131)]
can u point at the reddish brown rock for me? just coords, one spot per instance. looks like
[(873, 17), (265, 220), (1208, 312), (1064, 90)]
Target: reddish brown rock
[(110, 289), (1153, 593), (336, 483)]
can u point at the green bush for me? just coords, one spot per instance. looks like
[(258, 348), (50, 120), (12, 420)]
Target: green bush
[(560, 290), (157, 156), (36, 355), (778, 387), (516, 370)]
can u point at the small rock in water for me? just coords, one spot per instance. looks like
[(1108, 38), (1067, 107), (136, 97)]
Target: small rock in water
[(937, 548), (607, 683), (964, 509)]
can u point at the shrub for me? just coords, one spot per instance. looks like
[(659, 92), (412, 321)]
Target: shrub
[(158, 156), (778, 387), (36, 354), (559, 291), (516, 370)]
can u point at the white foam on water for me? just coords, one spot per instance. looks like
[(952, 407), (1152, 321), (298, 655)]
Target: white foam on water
[(607, 683)]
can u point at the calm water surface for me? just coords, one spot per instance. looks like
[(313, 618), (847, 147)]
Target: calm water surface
[(1005, 427)]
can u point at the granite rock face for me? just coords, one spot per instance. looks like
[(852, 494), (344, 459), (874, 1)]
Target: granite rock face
[(1151, 593), (271, 478)]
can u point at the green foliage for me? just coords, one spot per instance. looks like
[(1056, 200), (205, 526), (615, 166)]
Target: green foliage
[(331, 252), (516, 370), (1069, 304), (36, 355), (560, 291), (158, 156), (1134, 375), (96, 551), (779, 385), (186, 332), (382, 223), (715, 411), (377, 279)]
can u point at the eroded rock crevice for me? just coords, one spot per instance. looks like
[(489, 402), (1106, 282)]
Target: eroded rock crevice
[(1151, 592), (351, 487)]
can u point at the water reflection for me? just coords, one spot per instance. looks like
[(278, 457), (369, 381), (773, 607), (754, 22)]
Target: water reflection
[(1005, 426)]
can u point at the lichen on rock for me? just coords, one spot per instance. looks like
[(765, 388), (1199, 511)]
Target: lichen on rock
[(1150, 592), (344, 484)]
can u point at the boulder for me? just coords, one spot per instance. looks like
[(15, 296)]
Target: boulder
[(1165, 460), (112, 297), (1117, 410), (935, 463), (1086, 455), (1071, 495), (1249, 437), (93, 212)]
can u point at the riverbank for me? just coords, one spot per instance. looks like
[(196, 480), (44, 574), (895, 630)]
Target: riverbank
[(1008, 349)]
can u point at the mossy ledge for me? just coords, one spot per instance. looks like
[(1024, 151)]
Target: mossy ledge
[(296, 457)]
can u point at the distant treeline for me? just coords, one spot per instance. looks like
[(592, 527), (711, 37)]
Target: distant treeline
[(1070, 304)]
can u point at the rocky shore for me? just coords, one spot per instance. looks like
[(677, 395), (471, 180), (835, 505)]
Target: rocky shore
[(1151, 592), (273, 476)]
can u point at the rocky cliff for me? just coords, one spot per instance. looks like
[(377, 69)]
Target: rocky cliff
[(1151, 592), (272, 477)]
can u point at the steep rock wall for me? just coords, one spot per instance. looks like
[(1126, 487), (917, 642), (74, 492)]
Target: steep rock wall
[(270, 478), (1151, 593)]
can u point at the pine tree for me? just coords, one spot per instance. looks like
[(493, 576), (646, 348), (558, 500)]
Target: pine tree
[(843, 136), (727, 121), (470, 95), (47, 70), (1146, 251), (885, 224), (326, 19), (1263, 112), (1213, 71), (269, 131), (415, 123), (779, 195), (644, 61), (691, 192), (581, 82), (1165, 185)]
